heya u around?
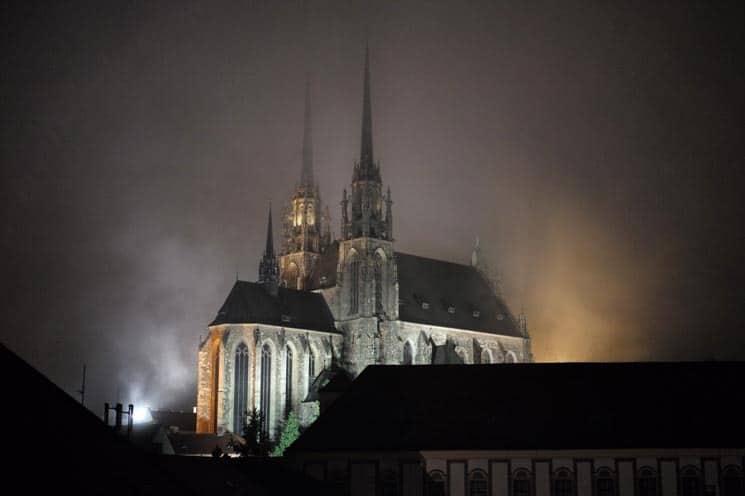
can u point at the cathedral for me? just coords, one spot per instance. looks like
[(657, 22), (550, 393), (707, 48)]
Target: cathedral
[(323, 309)]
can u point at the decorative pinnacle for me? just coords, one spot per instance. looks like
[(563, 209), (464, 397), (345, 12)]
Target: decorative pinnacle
[(269, 251)]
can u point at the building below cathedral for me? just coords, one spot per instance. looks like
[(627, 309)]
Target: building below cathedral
[(323, 308)]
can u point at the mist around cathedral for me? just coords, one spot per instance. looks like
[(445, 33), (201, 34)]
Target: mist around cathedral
[(374, 248)]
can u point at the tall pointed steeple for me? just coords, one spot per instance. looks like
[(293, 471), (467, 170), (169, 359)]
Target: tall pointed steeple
[(367, 164), (269, 250), (305, 233), (306, 175), (268, 267), (367, 217)]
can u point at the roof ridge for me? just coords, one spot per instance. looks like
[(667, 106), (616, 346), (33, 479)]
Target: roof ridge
[(434, 259)]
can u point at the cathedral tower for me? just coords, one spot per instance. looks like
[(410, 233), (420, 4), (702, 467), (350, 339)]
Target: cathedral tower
[(305, 224), (368, 296)]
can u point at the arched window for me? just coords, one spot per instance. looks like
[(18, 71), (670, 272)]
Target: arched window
[(477, 483), (311, 367), (436, 483), (563, 483), (510, 357), (690, 482), (461, 353), (521, 485), (288, 380), (485, 356), (732, 482), (605, 484), (215, 386), (408, 357), (266, 387), (240, 388), (647, 482), (378, 284), (354, 279)]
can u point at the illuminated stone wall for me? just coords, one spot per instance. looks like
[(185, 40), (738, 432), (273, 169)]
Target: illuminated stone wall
[(215, 413)]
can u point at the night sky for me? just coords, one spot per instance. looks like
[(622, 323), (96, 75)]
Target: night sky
[(595, 148)]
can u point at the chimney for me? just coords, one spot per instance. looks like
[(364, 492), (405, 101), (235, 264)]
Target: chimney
[(118, 417), (130, 418)]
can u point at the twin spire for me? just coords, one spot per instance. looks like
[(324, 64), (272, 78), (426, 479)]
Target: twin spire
[(305, 227)]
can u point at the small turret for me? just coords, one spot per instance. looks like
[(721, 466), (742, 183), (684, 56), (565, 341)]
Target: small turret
[(268, 267)]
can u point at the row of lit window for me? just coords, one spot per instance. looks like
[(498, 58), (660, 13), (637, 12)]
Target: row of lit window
[(604, 483)]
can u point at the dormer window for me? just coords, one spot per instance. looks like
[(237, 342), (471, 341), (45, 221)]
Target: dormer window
[(324, 279), (286, 318), (425, 305), (451, 309), (500, 316), (476, 314)]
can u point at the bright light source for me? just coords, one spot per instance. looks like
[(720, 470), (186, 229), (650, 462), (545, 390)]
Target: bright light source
[(142, 415)]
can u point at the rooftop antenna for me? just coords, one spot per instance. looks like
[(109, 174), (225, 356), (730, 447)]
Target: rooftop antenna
[(82, 389)]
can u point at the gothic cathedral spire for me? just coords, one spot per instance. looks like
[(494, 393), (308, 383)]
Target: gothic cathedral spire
[(306, 234), (306, 174), (367, 169), (367, 217), (268, 267)]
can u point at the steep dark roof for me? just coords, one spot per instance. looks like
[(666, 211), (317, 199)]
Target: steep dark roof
[(535, 406), (55, 445), (441, 285), (251, 302), (85, 456)]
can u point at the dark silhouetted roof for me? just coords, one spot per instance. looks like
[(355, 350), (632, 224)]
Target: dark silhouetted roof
[(81, 453), (55, 445), (441, 285), (535, 406), (250, 302)]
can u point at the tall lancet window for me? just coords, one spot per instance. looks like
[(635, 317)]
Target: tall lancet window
[(266, 387), (408, 355), (354, 303), (311, 368), (240, 390), (378, 284), (288, 381)]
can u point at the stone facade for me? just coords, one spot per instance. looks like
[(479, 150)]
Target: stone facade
[(217, 394)]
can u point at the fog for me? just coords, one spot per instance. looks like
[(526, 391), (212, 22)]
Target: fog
[(597, 151)]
